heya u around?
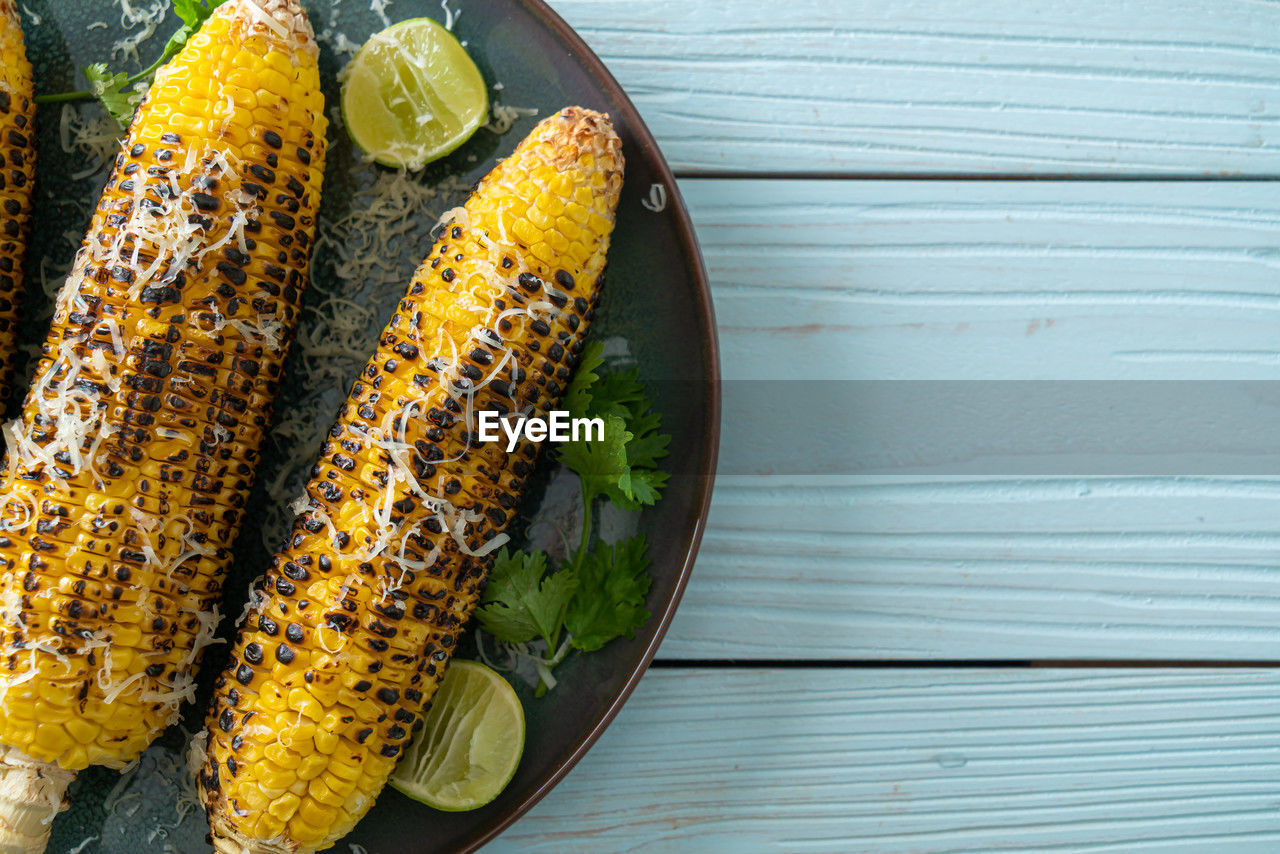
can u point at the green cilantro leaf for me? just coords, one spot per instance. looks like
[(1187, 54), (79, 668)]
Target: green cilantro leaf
[(619, 393), (622, 467), (609, 602), (647, 445), (109, 88), (577, 397), (646, 487), (519, 604), (602, 465), (622, 394)]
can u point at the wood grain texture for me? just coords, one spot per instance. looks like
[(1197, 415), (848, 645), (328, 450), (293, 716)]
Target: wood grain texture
[(829, 567), (1186, 87), (977, 281), (926, 761)]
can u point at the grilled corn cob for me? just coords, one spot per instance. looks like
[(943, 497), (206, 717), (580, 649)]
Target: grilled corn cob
[(130, 465), (354, 622), (17, 169)]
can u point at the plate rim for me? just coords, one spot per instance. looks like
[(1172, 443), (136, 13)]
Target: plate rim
[(710, 345)]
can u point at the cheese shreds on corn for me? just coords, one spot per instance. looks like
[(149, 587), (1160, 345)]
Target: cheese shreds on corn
[(349, 631), (128, 470), (17, 170), (371, 250)]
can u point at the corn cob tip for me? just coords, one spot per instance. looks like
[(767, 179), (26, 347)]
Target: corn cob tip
[(31, 794), (576, 128), (286, 18)]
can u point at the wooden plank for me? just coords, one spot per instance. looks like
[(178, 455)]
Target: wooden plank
[(803, 558), (926, 761), (974, 280), (1186, 87), (844, 567)]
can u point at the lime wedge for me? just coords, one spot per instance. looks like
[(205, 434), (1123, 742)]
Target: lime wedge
[(411, 94), (470, 742)]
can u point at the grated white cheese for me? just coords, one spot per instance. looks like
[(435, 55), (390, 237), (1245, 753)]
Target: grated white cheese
[(162, 235), (260, 15), (84, 843), (450, 16), (379, 8), (90, 134), (145, 19), (657, 200), (504, 117), (342, 44), (372, 251)]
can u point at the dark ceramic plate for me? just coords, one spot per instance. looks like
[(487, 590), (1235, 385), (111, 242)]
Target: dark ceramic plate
[(657, 312)]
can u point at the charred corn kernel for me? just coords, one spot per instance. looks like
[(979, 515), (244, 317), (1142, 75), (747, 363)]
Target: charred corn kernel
[(18, 162), (402, 511), (131, 464)]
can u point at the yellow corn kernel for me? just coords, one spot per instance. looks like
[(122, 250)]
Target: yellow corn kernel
[(322, 791), (252, 798), (81, 730), (268, 826), (317, 815), (527, 232), (326, 741), (51, 737), (282, 756), (272, 779), (311, 766), (271, 698), (300, 700)]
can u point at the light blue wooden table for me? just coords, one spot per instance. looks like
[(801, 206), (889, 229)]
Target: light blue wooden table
[(1016, 657)]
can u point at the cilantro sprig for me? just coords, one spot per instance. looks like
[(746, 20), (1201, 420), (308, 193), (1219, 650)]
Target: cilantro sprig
[(598, 593), (117, 90)]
